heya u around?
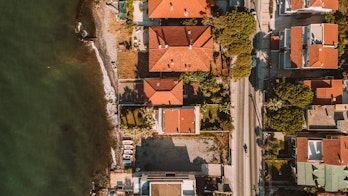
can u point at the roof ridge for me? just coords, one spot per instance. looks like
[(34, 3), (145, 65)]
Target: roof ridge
[(160, 1), (200, 35), (171, 91), (162, 56), (204, 51)]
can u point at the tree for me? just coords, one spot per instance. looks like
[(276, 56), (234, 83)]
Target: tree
[(288, 120), (189, 22), (297, 95), (242, 67), (274, 104)]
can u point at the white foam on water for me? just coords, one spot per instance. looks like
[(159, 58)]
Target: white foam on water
[(110, 94)]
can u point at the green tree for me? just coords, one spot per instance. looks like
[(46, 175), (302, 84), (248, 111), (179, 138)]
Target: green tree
[(297, 95), (242, 67), (189, 22), (287, 120), (274, 104)]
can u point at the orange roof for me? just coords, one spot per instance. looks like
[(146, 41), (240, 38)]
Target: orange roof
[(335, 151), (329, 4), (330, 34), (179, 120), (323, 57), (296, 47), (275, 42), (325, 90), (296, 4), (163, 92), (180, 48), (179, 8)]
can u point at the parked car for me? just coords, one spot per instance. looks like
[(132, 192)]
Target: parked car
[(127, 156), (128, 152), (127, 142), (128, 147)]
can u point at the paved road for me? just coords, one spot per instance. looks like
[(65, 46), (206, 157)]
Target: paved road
[(245, 162)]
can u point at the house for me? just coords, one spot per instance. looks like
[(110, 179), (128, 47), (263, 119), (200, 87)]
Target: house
[(166, 183), (323, 162), (180, 48), (326, 92), (179, 8), (308, 6), (309, 47), (163, 92), (184, 120), (328, 118)]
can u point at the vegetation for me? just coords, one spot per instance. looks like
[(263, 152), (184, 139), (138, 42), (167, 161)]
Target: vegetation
[(272, 146), (297, 95), (274, 104), (216, 117), (233, 31), (289, 120), (189, 22), (135, 120), (130, 11)]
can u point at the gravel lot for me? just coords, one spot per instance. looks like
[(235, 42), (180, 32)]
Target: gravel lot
[(176, 153)]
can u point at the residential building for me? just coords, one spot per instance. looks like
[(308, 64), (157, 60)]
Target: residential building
[(169, 184), (179, 8), (323, 162), (184, 120), (308, 6), (329, 118), (326, 92), (180, 48), (309, 47), (163, 92)]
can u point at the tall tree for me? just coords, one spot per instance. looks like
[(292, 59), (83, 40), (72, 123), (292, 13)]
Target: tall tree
[(297, 95), (287, 120)]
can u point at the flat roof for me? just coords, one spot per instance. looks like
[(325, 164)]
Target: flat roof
[(168, 189), (179, 120)]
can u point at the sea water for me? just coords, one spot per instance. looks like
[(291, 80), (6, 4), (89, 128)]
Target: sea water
[(52, 109)]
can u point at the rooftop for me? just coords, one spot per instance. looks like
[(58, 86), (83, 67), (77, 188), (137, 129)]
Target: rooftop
[(169, 189), (332, 150), (326, 4), (328, 118), (326, 92), (180, 48), (313, 46), (163, 92), (179, 8)]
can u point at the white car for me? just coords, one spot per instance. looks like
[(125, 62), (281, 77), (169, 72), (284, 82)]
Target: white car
[(128, 147), (127, 156), (127, 142), (128, 152)]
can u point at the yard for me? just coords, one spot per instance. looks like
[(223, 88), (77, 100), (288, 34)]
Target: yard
[(216, 117)]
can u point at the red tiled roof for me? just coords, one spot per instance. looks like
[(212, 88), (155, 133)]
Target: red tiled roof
[(275, 42), (323, 57), (330, 34), (180, 48), (325, 90), (301, 149), (163, 92), (331, 194), (179, 120), (335, 151), (179, 8), (329, 4), (296, 47), (296, 4)]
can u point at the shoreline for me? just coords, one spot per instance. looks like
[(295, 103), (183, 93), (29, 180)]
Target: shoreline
[(105, 48)]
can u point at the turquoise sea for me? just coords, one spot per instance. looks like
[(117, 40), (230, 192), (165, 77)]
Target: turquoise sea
[(52, 111)]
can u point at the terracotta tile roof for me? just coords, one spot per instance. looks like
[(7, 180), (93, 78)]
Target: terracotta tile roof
[(297, 4), (331, 194), (296, 47), (330, 34), (301, 149), (179, 8), (325, 90), (329, 4), (180, 48), (323, 57), (335, 151), (179, 120), (163, 92), (275, 42)]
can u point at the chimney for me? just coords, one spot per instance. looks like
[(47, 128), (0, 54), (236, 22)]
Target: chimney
[(189, 32), (171, 6), (166, 46), (190, 46), (185, 12), (159, 46), (172, 61), (158, 84)]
